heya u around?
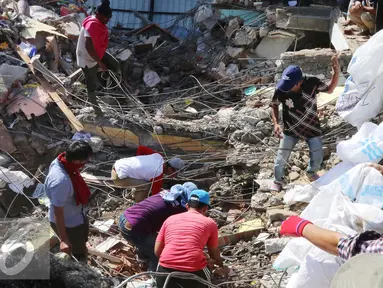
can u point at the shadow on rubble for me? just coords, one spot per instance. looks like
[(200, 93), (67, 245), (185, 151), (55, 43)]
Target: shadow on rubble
[(63, 274)]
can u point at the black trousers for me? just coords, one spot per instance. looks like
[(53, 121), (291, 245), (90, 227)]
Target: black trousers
[(185, 283)]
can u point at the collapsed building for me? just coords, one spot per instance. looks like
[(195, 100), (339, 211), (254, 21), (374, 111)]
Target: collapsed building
[(199, 87)]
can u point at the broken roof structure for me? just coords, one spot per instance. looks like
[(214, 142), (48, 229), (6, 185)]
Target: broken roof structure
[(196, 81)]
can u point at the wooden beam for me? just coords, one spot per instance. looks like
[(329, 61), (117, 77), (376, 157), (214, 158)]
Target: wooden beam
[(76, 125), (111, 258)]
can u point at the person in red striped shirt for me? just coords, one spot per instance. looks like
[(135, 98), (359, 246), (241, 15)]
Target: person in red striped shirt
[(145, 172)]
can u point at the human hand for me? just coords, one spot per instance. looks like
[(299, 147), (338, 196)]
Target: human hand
[(66, 247), (210, 263), (221, 272), (335, 62), (293, 226), (102, 66), (376, 166), (278, 131)]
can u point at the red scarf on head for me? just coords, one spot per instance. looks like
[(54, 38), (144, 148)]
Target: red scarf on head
[(80, 188), (98, 33)]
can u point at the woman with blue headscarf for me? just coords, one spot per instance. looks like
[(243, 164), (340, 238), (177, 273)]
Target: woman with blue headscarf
[(140, 223)]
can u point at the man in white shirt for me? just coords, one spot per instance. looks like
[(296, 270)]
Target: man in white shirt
[(144, 172)]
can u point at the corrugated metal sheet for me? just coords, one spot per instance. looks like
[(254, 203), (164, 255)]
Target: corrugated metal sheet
[(127, 19)]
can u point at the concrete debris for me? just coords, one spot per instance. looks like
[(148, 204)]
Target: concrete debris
[(151, 78), (275, 245), (202, 91), (279, 214), (245, 36)]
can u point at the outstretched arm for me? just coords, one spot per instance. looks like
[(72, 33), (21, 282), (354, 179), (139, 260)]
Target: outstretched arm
[(324, 239)]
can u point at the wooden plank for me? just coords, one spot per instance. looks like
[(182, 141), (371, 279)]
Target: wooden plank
[(113, 135), (107, 244), (76, 125), (187, 144), (6, 141), (111, 258)]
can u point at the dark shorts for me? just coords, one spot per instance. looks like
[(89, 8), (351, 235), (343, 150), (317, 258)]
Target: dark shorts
[(78, 236), (185, 283)]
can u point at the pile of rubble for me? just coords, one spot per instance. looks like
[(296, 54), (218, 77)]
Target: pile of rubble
[(204, 96)]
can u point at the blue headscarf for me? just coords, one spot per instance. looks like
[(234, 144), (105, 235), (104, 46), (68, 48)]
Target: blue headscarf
[(179, 194)]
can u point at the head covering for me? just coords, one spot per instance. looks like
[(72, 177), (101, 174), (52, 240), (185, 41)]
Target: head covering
[(201, 196), (363, 270), (104, 8), (290, 77), (177, 163), (179, 194)]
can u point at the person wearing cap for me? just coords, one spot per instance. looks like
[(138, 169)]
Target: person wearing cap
[(181, 241), (91, 50), (297, 94), (144, 172), (140, 223)]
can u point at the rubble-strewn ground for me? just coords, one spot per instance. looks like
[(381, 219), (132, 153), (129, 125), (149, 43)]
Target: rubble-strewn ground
[(205, 97)]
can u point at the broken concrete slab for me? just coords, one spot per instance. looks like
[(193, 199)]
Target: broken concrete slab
[(234, 52), (151, 78), (279, 214), (274, 44), (124, 55), (304, 18), (275, 245), (245, 36), (245, 232), (232, 27)]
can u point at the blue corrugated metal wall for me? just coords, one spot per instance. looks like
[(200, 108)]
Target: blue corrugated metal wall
[(127, 19)]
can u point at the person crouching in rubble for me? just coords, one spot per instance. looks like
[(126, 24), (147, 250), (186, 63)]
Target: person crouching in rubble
[(140, 223), (144, 172), (297, 94), (68, 194), (91, 50), (181, 241)]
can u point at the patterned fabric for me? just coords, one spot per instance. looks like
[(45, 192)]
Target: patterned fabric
[(300, 115), (366, 242)]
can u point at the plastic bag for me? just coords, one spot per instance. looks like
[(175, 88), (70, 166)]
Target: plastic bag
[(361, 99), (306, 193), (344, 205), (365, 146)]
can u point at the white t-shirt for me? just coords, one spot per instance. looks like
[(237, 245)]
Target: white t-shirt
[(83, 57), (143, 167)]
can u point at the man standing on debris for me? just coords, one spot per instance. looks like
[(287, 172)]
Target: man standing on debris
[(68, 194), (297, 94), (181, 241), (144, 172), (91, 49), (140, 223)]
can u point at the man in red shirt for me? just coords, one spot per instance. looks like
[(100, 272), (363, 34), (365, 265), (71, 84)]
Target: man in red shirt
[(181, 241), (145, 172)]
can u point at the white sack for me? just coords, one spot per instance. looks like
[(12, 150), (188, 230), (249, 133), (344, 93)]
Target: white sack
[(365, 146), (362, 97)]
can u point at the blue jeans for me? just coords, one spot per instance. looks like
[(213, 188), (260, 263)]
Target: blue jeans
[(144, 243), (286, 145)]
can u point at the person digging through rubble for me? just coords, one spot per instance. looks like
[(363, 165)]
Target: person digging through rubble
[(68, 194), (91, 50), (297, 94), (181, 241), (140, 223), (362, 14), (144, 172)]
